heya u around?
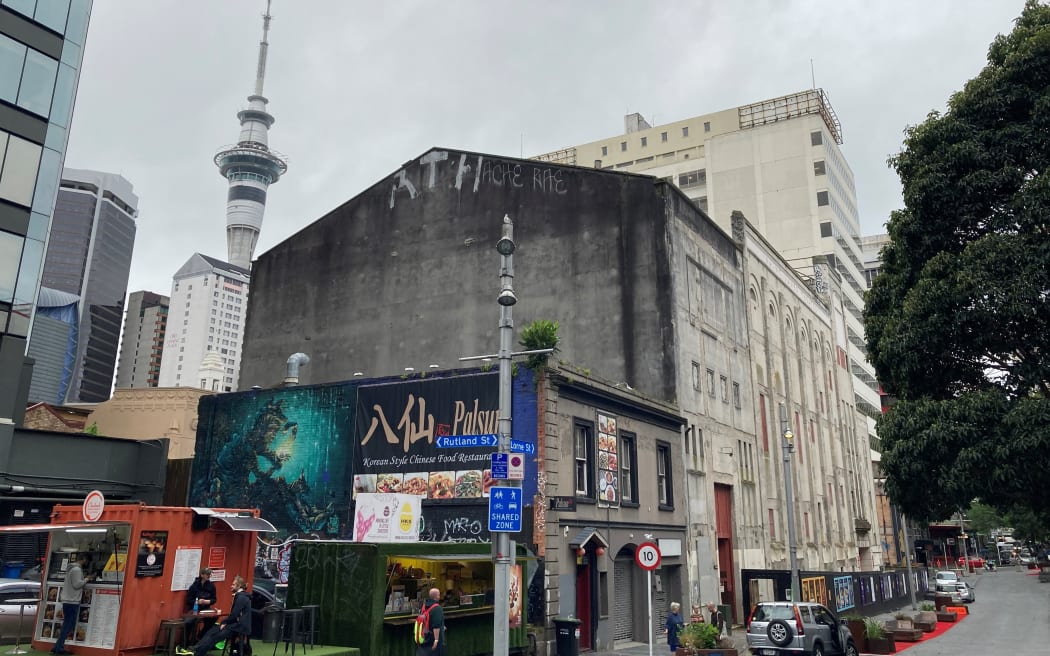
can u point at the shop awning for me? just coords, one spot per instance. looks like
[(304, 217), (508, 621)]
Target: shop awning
[(37, 528), (586, 535), (239, 522)]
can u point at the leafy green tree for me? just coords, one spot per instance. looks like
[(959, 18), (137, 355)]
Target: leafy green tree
[(958, 322), (982, 518)]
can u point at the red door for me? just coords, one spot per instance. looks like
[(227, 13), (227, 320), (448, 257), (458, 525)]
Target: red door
[(583, 602)]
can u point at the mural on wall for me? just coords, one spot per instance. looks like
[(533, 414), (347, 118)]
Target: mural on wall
[(285, 451)]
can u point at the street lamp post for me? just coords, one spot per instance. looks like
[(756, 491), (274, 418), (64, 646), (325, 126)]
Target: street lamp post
[(503, 547), (503, 544), (789, 446)]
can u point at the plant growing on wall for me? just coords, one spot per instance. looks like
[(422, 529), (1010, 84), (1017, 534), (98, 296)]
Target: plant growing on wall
[(540, 334)]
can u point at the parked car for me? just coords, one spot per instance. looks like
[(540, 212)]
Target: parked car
[(779, 628), (10, 590), (963, 593), (945, 581)]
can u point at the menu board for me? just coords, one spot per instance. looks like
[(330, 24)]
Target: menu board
[(97, 622), (187, 564), (608, 465)]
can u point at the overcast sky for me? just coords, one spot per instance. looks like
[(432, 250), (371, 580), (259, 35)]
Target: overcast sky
[(358, 88)]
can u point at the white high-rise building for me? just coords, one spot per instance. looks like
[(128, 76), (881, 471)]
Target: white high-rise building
[(209, 298), (777, 161)]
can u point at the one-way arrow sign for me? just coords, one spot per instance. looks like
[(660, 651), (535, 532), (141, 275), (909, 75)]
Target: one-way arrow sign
[(466, 441)]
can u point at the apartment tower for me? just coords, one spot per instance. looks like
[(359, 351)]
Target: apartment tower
[(145, 324)]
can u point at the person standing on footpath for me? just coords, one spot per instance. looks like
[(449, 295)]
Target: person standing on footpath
[(717, 618), (435, 647), (673, 626), (70, 596)]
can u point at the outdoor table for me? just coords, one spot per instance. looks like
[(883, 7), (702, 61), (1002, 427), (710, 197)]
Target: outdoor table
[(22, 603)]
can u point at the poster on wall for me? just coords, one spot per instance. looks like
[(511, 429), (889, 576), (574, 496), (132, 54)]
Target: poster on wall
[(187, 566), (400, 430), (843, 593), (515, 596), (386, 518), (96, 620), (608, 463), (152, 546)]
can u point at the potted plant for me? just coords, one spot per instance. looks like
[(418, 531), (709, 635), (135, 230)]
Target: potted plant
[(904, 621), (926, 618), (879, 642), (855, 623), (701, 638)]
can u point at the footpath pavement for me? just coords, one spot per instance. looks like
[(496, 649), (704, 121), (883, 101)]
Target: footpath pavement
[(738, 637)]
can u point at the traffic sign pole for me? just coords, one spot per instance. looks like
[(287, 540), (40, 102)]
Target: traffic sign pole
[(648, 558)]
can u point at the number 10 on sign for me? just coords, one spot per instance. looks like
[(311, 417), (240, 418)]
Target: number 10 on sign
[(648, 558)]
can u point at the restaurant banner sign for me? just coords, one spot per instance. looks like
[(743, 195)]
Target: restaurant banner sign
[(397, 431)]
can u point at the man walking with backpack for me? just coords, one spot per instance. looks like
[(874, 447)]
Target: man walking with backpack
[(430, 640)]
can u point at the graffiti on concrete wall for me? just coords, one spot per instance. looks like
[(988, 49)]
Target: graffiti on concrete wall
[(472, 172)]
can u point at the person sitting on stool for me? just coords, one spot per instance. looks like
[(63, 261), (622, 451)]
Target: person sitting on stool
[(238, 623), (202, 595)]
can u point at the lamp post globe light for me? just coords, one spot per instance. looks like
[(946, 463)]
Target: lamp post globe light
[(789, 498)]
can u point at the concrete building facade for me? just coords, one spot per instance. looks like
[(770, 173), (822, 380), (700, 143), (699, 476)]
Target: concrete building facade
[(42, 49), (206, 314), (777, 161), (650, 293), (142, 414), (145, 326), (89, 255), (802, 383)]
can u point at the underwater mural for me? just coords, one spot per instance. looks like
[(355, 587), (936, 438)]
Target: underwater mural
[(285, 451)]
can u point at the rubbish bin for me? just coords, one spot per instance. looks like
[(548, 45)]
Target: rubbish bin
[(271, 624), (13, 569), (567, 631), (726, 613)]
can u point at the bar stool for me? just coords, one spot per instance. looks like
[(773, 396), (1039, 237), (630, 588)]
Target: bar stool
[(169, 635), (242, 641), (291, 629), (310, 622)]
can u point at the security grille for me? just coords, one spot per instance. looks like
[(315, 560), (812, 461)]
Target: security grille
[(623, 618), (660, 602)]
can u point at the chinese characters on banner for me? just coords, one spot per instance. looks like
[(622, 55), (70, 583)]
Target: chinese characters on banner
[(608, 466), (397, 431)]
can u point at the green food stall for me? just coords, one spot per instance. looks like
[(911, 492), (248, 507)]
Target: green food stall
[(369, 594)]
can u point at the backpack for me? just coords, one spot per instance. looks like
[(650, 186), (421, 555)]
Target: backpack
[(421, 628)]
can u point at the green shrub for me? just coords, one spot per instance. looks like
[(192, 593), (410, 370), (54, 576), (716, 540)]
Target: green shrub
[(699, 635), (540, 334), (873, 628), (927, 606)]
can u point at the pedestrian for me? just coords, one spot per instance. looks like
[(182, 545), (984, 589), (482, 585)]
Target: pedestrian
[(717, 619), (70, 596), (697, 616), (237, 624), (434, 645), (673, 625)]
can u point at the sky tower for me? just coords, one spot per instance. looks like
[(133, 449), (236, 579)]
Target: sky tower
[(251, 167)]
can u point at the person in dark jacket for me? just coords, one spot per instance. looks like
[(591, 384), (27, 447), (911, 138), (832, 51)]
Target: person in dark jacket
[(203, 595), (673, 625), (237, 623)]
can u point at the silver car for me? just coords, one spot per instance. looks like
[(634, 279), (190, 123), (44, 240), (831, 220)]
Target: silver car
[(12, 613), (963, 593), (783, 628)]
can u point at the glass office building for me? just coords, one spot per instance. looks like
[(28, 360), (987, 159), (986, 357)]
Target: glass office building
[(41, 50)]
